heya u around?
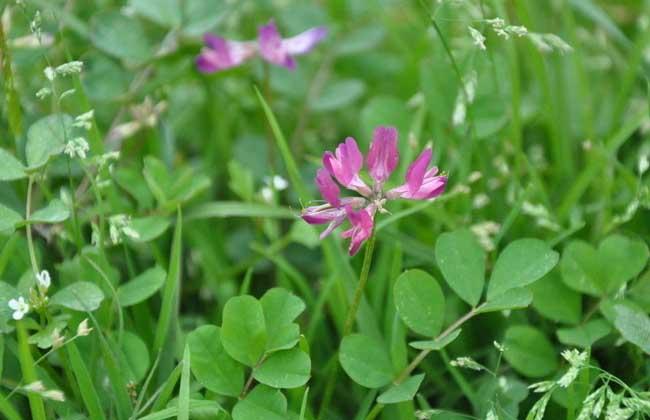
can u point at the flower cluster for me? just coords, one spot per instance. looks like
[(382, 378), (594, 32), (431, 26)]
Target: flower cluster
[(222, 54), (345, 164)]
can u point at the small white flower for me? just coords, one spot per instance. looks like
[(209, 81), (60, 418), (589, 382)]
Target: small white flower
[(477, 36), (466, 362), (71, 67), (543, 386), (83, 329), (36, 386), (644, 163), (43, 279), (20, 307), (84, 120), (267, 194), (50, 73), (77, 147), (499, 346), (43, 93), (491, 415), (54, 394), (57, 339), (480, 201)]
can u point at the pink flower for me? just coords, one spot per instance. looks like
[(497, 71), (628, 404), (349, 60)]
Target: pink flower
[(345, 164), (221, 54)]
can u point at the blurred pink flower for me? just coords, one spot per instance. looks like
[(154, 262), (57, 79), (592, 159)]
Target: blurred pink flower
[(345, 164), (222, 54)]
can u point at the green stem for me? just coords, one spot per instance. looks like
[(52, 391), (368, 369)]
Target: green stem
[(404, 374), (28, 226), (349, 320), (29, 372), (358, 293)]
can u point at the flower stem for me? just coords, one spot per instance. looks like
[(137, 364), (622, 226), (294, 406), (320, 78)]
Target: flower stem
[(349, 321), (28, 226), (358, 293)]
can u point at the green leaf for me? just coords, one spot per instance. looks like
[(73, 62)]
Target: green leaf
[(80, 296), (46, 138), (512, 299), (142, 287), (167, 13), (54, 212), (554, 300), (338, 94), (462, 262), (170, 289), (121, 36), (435, 344), (359, 40), (365, 359), (200, 16), (8, 220), (404, 391), (584, 335), (280, 310), (419, 302), (149, 228), (529, 352), (197, 407), (261, 403), (521, 263), (211, 365), (241, 181), (228, 209), (603, 271), (43, 338), (134, 357), (284, 369), (10, 167), (385, 110), (634, 326), (243, 332)]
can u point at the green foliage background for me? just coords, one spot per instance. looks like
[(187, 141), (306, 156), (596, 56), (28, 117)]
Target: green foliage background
[(223, 303)]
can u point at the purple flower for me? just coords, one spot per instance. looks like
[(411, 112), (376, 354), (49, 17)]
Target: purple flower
[(345, 164), (221, 54)]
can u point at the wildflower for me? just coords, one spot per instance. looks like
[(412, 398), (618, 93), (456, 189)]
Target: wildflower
[(57, 339), (499, 346), (69, 68), (543, 386), (36, 386), (344, 166), (276, 183), (43, 93), (43, 280), (77, 147), (83, 329), (54, 394), (466, 362), (20, 307), (119, 226), (50, 73), (84, 120), (577, 361), (477, 36), (221, 54)]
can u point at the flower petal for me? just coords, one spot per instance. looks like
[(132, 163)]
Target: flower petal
[(18, 315), (327, 187), (345, 165), (305, 41), (272, 48), (383, 155), (417, 170), (221, 54), (14, 304), (362, 225)]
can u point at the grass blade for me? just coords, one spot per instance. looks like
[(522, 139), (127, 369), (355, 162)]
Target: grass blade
[(86, 386), (29, 372), (281, 141), (184, 395), (171, 287)]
